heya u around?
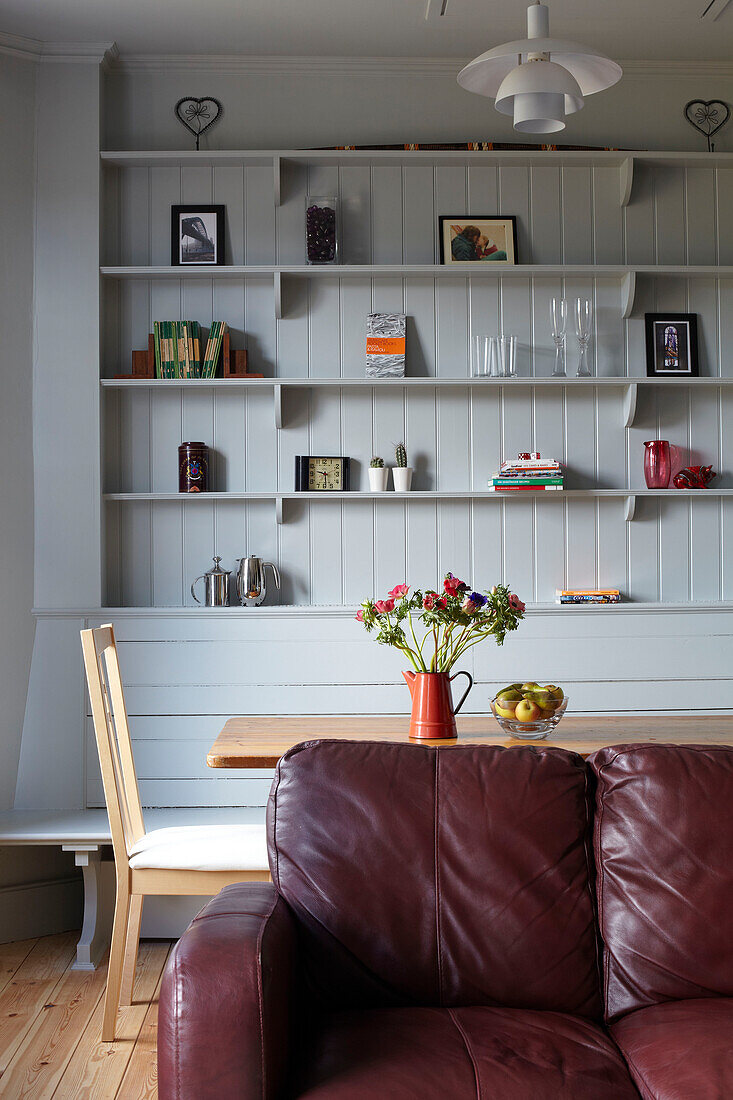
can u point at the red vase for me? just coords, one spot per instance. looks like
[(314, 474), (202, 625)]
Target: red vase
[(657, 464), (433, 712)]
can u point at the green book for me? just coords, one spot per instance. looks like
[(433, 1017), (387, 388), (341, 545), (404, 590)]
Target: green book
[(195, 331), (525, 481), (156, 345), (213, 348)]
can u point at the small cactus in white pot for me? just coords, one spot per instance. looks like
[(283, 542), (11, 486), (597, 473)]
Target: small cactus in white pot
[(401, 472), (378, 475)]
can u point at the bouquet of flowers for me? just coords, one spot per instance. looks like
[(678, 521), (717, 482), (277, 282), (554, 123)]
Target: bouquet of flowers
[(450, 621)]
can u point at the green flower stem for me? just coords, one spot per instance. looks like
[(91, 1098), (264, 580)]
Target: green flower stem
[(456, 647), (406, 649), (417, 644)]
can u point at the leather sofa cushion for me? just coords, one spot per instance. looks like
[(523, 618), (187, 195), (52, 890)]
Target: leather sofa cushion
[(463, 1054), (664, 858), (680, 1049), (438, 876)]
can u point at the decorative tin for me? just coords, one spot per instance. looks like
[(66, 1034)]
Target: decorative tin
[(193, 468)]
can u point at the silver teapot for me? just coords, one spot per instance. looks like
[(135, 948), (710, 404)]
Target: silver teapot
[(251, 582), (216, 586)]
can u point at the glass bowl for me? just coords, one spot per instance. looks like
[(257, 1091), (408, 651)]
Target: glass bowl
[(535, 730)]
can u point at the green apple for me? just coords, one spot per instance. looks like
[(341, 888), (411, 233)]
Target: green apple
[(506, 702), (527, 711)]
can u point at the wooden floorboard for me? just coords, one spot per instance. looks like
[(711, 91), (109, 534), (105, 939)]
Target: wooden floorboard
[(30, 989), (11, 956), (141, 1076), (51, 1021)]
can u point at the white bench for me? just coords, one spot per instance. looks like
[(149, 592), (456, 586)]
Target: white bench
[(86, 833)]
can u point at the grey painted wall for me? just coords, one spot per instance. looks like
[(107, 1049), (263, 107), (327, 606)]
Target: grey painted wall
[(40, 888), (292, 108), (17, 93)]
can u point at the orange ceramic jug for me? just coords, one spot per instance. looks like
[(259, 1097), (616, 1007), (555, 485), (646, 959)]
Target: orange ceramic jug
[(433, 712)]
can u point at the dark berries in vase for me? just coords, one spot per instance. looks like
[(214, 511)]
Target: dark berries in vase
[(320, 231)]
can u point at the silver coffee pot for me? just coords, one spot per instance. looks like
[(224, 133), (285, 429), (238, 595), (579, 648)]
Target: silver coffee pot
[(251, 582), (216, 586)]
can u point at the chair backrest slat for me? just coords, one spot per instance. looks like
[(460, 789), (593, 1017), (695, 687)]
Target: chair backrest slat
[(113, 738)]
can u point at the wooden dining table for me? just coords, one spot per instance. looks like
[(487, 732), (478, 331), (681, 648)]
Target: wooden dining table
[(259, 741)]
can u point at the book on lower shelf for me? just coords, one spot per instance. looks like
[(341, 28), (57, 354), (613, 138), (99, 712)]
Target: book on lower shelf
[(587, 595), (522, 474), (533, 488)]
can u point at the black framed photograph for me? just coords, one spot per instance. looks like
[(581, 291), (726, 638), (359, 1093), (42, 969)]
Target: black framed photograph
[(197, 235), (671, 345), (478, 239)]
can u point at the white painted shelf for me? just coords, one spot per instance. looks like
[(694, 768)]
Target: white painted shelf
[(279, 160), (410, 382), (279, 385), (579, 158), (428, 271), (300, 610), (627, 275), (629, 495)]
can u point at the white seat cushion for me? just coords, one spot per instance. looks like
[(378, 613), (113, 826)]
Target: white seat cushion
[(202, 848)]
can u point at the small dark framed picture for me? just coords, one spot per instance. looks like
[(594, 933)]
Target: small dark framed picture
[(478, 239), (197, 235), (671, 345)]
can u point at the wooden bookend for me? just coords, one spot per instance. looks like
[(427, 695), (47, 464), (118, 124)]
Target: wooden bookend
[(143, 362), (236, 366)]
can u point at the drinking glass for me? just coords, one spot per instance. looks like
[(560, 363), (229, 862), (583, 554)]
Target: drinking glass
[(494, 361), (480, 356), (583, 330), (507, 346), (558, 321)]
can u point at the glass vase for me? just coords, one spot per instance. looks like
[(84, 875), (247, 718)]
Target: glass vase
[(657, 464), (321, 230)]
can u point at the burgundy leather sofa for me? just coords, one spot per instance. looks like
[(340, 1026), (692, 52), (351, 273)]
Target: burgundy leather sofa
[(501, 924)]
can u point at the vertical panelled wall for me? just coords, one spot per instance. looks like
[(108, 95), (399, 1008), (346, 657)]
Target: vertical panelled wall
[(338, 552)]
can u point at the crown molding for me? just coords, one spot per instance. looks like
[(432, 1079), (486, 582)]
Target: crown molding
[(99, 53), (275, 65), (32, 49), (108, 55), (678, 68), (18, 46)]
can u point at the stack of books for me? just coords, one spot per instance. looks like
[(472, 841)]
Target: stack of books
[(522, 474), (178, 349), (587, 595)]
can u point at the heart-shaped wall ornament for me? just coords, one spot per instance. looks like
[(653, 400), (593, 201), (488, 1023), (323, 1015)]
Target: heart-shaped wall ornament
[(197, 115), (707, 116)]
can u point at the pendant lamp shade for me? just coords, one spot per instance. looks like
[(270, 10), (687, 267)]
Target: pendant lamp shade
[(535, 67), (538, 94)]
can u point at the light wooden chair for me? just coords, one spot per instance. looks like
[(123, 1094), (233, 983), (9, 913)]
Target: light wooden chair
[(187, 860)]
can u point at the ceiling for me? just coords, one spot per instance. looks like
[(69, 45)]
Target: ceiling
[(644, 30)]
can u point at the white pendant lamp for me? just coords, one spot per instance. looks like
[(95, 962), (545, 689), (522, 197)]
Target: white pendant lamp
[(539, 80)]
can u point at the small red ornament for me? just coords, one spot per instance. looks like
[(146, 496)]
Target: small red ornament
[(694, 477)]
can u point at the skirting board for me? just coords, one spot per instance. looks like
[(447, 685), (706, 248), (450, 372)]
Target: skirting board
[(40, 908)]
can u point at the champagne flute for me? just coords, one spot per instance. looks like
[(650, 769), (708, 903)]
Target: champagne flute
[(559, 320), (583, 331)]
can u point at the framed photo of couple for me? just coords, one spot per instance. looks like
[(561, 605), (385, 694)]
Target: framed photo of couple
[(472, 239)]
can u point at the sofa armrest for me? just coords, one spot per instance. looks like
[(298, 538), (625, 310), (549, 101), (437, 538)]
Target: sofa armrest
[(224, 1012)]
